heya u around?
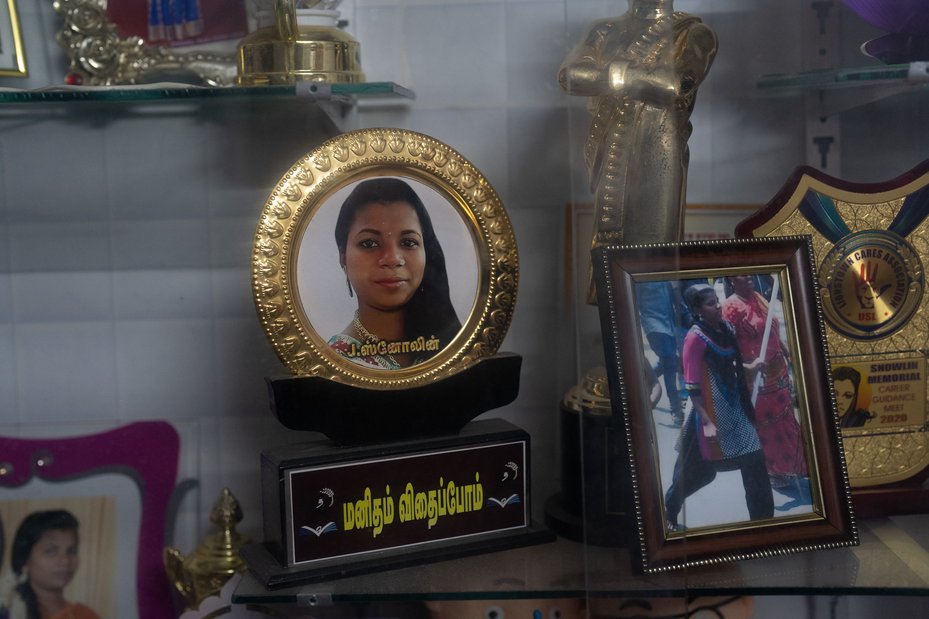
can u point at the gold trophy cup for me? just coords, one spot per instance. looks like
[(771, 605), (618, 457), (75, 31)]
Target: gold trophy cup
[(298, 44)]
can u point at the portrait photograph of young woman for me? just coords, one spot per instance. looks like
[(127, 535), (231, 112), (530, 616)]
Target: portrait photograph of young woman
[(387, 272), (59, 558)]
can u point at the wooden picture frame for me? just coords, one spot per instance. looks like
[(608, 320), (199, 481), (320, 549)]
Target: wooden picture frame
[(687, 516), (118, 484), (301, 271)]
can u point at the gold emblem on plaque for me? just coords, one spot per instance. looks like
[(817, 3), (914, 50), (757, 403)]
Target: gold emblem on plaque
[(871, 283)]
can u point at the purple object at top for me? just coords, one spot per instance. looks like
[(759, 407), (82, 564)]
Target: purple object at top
[(898, 16)]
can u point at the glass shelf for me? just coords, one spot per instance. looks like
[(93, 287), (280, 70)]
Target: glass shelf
[(340, 93), (893, 559), (843, 89), (914, 73)]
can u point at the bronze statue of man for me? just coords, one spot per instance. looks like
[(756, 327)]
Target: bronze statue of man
[(641, 71)]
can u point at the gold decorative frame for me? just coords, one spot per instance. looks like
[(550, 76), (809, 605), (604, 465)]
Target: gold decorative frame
[(101, 57), (828, 522), (14, 60), (305, 189)]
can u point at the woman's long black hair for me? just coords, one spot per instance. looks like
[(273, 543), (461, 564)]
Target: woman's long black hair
[(429, 312), (28, 534)]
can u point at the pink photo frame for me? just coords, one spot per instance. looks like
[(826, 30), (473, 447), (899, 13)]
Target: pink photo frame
[(147, 452)]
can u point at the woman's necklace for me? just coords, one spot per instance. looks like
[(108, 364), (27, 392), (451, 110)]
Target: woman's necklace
[(716, 331), (370, 338)]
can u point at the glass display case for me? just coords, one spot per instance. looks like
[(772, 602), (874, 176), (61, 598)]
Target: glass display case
[(127, 217)]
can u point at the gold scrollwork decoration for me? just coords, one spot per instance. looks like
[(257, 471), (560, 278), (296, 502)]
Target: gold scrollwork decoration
[(101, 57)]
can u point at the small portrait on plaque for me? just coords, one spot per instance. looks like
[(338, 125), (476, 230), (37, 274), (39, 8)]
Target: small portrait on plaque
[(739, 454), (880, 394), (384, 259), (851, 397)]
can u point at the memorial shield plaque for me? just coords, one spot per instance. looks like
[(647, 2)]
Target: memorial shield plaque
[(868, 240)]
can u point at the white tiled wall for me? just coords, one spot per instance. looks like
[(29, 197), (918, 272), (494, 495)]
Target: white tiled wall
[(125, 231)]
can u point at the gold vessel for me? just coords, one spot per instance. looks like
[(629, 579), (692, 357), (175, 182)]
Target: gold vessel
[(204, 571), (294, 44)]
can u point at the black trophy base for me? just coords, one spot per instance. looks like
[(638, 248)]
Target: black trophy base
[(891, 500), (267, 569), (595, 502), (350, 414), (331, 511), (608, 530)]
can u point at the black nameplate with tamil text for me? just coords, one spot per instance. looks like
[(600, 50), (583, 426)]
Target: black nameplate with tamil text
[(334, 511)]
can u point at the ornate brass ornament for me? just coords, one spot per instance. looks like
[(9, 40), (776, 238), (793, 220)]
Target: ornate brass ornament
[(299, 285), (300, 43), (101, 57), (204, 571)]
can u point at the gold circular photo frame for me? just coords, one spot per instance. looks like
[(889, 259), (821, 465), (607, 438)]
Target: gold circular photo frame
[(305, 252)]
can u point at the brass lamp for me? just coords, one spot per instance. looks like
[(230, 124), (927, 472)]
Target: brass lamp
[(204, 571)]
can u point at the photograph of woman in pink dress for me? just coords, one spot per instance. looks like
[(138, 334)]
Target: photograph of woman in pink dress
[(775, 419)]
